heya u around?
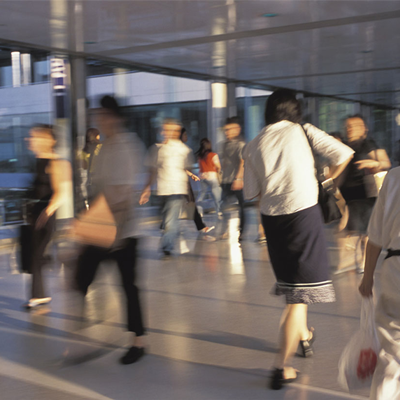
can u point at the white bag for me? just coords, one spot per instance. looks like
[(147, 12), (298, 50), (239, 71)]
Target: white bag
[(358, 360)]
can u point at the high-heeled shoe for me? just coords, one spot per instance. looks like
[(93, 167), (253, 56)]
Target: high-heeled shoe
[(278, 381), (306, 349)]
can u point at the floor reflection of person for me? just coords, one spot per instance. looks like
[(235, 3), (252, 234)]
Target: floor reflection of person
[(383, 234), (47, 196), (368, 159), (115, 181), (279, 167)]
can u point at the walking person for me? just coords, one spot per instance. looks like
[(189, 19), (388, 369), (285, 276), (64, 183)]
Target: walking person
[(383, 235), (210, 168), (197, 217), (47, 196), (169, 164), (232, 171), (115, 182), (279, 167), (368, 159)]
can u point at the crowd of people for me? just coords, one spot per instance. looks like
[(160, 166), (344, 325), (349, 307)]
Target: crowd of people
[(278, 168)]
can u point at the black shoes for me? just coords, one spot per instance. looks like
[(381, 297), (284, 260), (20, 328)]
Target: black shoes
[(132, 355), (278, 381), (305, 346)]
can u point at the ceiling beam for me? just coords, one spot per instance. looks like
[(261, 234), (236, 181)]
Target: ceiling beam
[(357, 71), (359, 19)]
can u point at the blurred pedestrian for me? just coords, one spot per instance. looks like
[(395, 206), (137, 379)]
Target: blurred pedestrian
[(115, 182), (383, 234), (279, 167), (89, 153), (169, 164), (232, 171), (210, 168), (368, 159), (48, 194), (197, 217)]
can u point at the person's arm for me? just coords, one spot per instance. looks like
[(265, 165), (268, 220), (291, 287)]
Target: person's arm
[(237, 184), (192, 175), (378, 162), (372, 253), (216, 163), (336, 170), (145, 196), (60, 175)]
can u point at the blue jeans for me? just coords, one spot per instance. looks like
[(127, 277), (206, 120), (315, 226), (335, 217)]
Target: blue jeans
[(172, 207), (216, 191)]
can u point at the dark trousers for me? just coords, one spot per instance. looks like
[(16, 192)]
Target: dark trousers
[(89, 261), (228, 192), (33, 245)]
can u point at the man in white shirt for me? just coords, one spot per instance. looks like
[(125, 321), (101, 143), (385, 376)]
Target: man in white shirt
[(169, 164)]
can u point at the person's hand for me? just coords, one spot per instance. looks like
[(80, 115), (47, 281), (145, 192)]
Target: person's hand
[(42, 219), (370, 164), (195, 177), (237, 184), (365, 287), (145, 196)]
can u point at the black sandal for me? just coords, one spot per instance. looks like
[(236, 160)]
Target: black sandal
[(278, 381), (306, 346)]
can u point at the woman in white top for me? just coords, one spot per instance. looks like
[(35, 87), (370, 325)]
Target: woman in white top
[(383, 234), (279, 167)]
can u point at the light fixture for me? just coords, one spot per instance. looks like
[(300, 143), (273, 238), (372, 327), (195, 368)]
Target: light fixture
[(89, 42), (270, 15), (366, 51)]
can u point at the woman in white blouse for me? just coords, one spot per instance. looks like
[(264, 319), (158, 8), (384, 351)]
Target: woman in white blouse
[(279, 167)]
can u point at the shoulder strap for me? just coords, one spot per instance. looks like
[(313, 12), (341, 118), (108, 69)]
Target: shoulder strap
[(308, 139)]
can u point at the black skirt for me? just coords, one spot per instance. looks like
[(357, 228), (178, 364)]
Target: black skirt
[(298, 253)]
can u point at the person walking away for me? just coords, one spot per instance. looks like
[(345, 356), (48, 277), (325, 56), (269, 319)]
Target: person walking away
[(115, 179), (169, 164), (47, 196), (232, 171), (197, 218), (210, 167), (279, 167)]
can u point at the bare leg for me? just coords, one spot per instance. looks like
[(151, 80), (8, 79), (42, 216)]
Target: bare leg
[(293, 329)]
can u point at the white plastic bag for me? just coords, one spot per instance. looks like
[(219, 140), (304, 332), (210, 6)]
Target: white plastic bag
[(358, 360)]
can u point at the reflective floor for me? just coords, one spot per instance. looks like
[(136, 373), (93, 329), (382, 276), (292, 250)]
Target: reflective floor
[(212, 329)]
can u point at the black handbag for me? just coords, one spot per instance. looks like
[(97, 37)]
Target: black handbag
[(326, 196)]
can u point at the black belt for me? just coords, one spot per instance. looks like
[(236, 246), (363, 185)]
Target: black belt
[(391, 253)]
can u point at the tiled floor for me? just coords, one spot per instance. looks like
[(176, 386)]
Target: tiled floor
[(212, 330)]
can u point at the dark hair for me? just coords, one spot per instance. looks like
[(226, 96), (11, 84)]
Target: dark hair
[(358, 116), (336, 135), (183, 131), (283, 105), (88, 134), (110, 103), (205, 148), (232, 120), (45, 127)]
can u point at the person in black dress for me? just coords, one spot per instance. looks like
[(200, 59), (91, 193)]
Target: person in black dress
[(368, 159), (47, 197)]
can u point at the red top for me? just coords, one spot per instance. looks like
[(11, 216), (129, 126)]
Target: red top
[(206, 164)]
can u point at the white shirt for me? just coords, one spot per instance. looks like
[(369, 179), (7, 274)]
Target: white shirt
[(279, 166), (118, 164), (171, 160), (384, 225)]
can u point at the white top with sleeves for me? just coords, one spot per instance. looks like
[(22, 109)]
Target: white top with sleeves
[(171, 160), (279, 166), (384, 224)]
